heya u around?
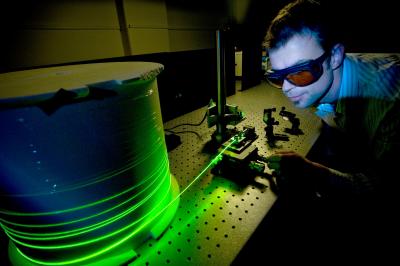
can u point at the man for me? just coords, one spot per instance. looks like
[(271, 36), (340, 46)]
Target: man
[(352, 176)]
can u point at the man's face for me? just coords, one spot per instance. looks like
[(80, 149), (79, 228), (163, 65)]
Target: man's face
[(300, 49)]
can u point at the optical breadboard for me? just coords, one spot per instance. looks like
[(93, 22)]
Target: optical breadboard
[(217, 215)]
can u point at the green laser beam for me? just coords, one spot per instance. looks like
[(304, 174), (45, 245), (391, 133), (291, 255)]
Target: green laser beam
[(85, 218), (214, 161), (84, 230)]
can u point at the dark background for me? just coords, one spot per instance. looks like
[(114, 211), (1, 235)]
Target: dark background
[(189, 80)]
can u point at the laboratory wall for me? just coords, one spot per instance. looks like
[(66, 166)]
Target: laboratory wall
[(39, 33)]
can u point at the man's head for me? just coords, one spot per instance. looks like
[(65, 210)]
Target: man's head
[(298, 18), (305, 56)]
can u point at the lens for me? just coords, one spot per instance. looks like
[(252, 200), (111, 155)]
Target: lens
[(300, 75), (302, 78)]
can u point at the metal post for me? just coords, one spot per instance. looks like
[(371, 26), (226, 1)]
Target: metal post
[(221, 101)]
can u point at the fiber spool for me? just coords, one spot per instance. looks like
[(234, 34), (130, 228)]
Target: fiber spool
[(84, 168)]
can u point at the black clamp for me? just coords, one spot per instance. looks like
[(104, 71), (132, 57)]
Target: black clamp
[(294, 130), (269, 129)]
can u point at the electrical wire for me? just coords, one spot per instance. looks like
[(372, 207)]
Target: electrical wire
[(185, 131), (189, 124)]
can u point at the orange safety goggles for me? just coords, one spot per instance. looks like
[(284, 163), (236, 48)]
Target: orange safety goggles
[(300, 75)]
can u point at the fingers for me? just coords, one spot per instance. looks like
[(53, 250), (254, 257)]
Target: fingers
[(274, 163), (285, 153), (274, 158), (283, 161), (277, 156)]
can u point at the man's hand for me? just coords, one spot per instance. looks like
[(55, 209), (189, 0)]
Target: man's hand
[(293, 171)]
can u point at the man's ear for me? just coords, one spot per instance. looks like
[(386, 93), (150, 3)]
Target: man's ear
[(337, 55)]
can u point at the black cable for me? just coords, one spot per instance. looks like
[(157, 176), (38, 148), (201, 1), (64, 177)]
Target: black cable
[(189, 124), (185, 131)]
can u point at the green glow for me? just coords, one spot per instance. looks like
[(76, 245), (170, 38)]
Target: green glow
[(85, 218), (90, 228), (83, 230), (76, 208), (100, 179), (214, 161), (110, 198), (101, 251), (79, 235), (162, 201), (93, 240)]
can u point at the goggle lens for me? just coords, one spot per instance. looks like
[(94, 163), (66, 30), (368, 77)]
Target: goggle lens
[(299, 75), (303, 78)]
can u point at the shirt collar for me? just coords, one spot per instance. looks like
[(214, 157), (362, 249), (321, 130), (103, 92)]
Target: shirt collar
[(345, 90), (348, 87), (349, 84)]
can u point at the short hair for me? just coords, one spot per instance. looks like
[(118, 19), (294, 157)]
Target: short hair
[(299, 18)]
